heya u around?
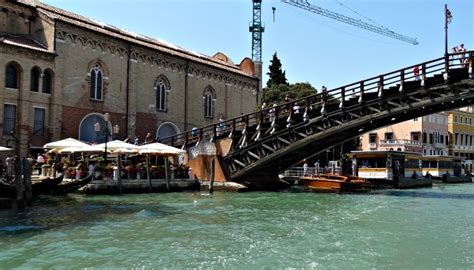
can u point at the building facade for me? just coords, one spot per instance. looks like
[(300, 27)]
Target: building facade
[(62, 72), (427, 135), (461, 132)]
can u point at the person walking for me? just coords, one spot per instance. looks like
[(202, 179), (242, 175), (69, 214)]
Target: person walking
[(416, 73)]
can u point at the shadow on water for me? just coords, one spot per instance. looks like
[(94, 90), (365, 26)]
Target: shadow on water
[(50, 213)]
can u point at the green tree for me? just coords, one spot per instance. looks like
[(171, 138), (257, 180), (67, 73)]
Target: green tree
[(276, 74), (277, 93)]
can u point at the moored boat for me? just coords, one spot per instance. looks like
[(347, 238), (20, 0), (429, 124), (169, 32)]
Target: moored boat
[(71, 185), (336, 183), (46, 185)]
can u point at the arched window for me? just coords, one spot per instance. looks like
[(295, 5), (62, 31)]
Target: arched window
[(11, 76), (166, 130), (96, 82), (161, 89), (209, 98), (35, 79), (87, 132), (47, 81)]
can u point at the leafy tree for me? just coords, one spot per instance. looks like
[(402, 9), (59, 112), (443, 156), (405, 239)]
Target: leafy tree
[(276, 74), (277, 93)]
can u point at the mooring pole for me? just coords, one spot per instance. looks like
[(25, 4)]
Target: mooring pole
[(166, 175), (211, 182), (119, 174), (148, 172)]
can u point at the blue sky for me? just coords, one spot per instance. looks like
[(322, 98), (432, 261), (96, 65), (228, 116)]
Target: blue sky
[(312, 48)]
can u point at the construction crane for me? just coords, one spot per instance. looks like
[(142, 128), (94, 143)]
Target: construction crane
[(303, 4), (257, 28)]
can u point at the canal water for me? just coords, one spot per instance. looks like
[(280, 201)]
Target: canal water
[(430, 228)]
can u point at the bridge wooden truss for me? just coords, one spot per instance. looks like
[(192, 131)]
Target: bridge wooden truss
[(266, 142)]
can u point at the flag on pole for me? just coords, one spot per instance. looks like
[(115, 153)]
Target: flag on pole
[(449, 16)]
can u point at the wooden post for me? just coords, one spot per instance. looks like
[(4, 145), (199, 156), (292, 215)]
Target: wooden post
[(402, 79), (211, 182), (27, 170), (380, 86), (119, 176), (148, 176), (361, 92), (343, 97), (423, 74), (19, 200), (166, 174)]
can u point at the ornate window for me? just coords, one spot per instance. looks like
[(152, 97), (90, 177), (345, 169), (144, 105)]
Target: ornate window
[(47, 81), (11, 76), (96, 82), (9, 118), (161, 87), (35, 79), (209, 99)]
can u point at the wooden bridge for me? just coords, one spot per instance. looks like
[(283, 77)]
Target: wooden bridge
[(263, 143)]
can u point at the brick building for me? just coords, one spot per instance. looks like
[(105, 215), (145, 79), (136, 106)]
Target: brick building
[(62, 72)]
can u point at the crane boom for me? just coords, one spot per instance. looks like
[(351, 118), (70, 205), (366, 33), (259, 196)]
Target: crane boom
[(303, 4)]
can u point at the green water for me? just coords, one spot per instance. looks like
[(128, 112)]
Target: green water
[(410, 229)]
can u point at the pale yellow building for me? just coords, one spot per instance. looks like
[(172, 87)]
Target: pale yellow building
[(61, 72), (427, 135), (461, 132)]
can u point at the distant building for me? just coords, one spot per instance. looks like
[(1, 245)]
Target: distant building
[(461, 132), (61, 72), (427, 135)]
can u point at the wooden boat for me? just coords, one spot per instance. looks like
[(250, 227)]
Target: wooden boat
[(66, 187), (336, 183), (46, 185)]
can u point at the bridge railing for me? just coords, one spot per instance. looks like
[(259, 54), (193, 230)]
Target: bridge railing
[(377, 84)]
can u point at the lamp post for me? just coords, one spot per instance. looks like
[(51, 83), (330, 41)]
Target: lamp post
[(115, 130)]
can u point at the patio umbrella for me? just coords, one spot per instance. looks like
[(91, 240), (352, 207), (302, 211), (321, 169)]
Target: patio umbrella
[(125, 150), (88, 148), (69, 142), (5, 148), (159, 148), (117, 144)]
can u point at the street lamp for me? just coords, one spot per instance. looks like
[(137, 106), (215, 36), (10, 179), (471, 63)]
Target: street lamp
[(115, 130)]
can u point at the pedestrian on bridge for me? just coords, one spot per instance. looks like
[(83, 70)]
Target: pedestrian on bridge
[(416, 73)]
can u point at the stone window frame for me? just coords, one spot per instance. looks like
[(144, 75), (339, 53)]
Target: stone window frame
[(35, 76), (162, 88), (97, 64), (209, 98), (17, 73)]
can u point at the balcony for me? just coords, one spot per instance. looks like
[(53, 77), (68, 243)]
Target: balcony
[(393, 143)]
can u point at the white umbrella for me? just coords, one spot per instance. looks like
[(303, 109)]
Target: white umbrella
[(159, 148), (69, 142), (125, 150), (117, 144), (88, 148), (5, 148)]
